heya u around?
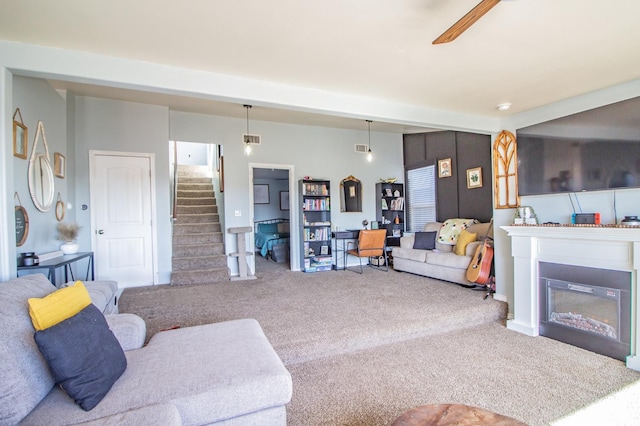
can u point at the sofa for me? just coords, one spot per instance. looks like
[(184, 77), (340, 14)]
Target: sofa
[(224, 373), (441, 262)]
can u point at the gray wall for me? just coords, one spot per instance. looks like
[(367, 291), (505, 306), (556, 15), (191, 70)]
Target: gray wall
[(37, 100), (108, 125)]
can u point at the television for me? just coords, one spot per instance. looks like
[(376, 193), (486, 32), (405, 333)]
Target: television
[(594, 150)]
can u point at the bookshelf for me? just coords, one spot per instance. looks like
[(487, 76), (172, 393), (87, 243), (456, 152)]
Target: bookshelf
[(315, 225), (390, 204)]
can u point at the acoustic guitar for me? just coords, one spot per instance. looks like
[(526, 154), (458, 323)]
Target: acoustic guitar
[(479, 270)]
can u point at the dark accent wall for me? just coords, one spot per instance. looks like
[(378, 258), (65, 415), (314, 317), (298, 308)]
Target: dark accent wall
[(467, 151)]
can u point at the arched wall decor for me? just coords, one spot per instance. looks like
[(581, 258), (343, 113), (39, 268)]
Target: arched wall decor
[(505, 171), (350, 195)]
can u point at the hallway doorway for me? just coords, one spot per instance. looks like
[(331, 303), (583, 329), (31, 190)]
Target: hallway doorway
[(271, 187)]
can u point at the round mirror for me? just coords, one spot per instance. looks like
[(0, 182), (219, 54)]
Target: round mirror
[(41, 182), (22, 225)]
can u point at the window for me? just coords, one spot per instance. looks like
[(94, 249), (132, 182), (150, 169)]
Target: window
[(421, 197)]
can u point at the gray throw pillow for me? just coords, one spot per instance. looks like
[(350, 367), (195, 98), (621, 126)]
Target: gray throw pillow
[(84, 356), (425, 240)]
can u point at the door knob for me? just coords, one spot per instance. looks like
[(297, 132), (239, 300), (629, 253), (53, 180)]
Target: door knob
[(100, 231)]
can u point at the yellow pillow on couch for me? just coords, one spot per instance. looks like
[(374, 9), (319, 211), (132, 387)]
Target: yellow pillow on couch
[(58, 306), (464, 239)]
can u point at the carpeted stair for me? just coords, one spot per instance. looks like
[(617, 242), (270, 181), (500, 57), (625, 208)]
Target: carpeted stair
[(198, 245)]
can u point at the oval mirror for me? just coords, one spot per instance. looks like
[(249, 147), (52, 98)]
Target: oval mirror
[(41, 181)]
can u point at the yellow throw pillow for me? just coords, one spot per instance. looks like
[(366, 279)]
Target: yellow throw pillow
[(464, 239), (58, 306)]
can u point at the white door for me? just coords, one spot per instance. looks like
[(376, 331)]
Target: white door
[(121, 204)]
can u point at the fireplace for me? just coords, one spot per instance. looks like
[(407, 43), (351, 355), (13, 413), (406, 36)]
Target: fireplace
[(586, 307), (592, 250)]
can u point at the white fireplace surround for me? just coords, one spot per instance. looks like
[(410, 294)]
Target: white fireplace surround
[(594, 247)]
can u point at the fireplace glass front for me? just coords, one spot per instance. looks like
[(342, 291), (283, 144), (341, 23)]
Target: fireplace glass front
[(591, 310)]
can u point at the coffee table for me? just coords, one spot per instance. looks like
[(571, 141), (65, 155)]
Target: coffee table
[(453, 414)]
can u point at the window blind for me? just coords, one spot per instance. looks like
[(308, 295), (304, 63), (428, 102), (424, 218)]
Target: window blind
[(421, 197)]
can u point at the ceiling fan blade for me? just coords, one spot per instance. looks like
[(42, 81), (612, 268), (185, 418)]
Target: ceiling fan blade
[(466, 21)]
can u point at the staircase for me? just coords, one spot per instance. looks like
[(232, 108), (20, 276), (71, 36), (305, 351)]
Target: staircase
[(198, 245)]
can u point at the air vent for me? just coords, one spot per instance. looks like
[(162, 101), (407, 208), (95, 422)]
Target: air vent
[(251, 139), (362, 148)]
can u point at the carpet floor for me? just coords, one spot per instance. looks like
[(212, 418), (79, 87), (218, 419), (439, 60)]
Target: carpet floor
[(362, 349)]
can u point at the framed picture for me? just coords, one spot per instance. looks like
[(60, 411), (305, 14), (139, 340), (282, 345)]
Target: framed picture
[(284, 200), (474, 178), (59, 165), (261, 194), (444, 167), (19, 140), (397, 233), (324, 250)]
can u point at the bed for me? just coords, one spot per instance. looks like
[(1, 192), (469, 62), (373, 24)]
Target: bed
[(269, 232)]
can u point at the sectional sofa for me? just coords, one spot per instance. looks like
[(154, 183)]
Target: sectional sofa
[(225, 373)]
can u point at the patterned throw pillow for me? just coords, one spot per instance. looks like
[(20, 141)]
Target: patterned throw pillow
[(451, 228)]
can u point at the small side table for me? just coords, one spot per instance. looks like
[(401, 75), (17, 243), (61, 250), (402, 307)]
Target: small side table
[(63, 261)]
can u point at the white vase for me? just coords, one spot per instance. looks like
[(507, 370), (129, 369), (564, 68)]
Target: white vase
[(69, 247)]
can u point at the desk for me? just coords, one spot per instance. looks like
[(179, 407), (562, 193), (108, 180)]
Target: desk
[(63, 261), (341, 237)]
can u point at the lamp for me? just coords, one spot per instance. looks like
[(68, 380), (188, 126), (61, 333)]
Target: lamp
[(247, 138), (369, 153)]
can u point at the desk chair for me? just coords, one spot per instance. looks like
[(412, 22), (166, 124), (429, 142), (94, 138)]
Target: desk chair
[(370, 243)]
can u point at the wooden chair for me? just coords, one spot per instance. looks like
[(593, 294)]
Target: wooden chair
[(371, 243)]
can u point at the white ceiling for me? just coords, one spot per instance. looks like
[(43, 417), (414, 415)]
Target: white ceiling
[(527, 52)]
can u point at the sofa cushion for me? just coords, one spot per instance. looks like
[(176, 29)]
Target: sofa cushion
[(26, 379), (448, 260), (58, 306), (425, 240), (103, 294), (83, 355), (464, 239), (410, 254), (129, 329)]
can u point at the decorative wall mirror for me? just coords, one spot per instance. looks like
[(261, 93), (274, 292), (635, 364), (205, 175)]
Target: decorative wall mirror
[(61, 209), (40, 174), (22, 223), (350, 195)]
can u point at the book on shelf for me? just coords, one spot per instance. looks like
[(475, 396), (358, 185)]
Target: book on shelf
[(384, 204), (314, 189), (397, 203)]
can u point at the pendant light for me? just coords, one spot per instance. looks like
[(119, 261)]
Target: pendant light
[(247, 138), (369, 153)]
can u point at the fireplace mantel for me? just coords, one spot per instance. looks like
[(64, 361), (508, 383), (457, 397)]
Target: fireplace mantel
[(595, 247)]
